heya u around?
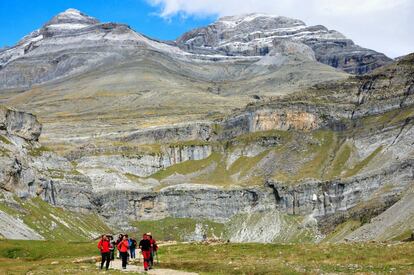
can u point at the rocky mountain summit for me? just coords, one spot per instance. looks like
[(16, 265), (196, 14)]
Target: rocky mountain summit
[(70, 43), (260, 34), (127, 130)]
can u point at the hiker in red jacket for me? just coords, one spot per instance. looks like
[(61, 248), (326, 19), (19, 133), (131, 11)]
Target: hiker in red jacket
[(153, 249), (123, 247), (104, 246), (145, 246)]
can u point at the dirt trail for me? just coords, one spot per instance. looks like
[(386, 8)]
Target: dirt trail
[(138, 267)]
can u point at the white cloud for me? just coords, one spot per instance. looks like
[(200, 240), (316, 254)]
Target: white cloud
[(382, 25)]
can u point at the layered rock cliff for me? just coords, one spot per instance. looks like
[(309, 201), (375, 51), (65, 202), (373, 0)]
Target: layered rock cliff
[(156, 135), (260, 34)]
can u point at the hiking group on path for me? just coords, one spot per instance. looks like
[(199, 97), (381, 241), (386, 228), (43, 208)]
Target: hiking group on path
[(126, 249)]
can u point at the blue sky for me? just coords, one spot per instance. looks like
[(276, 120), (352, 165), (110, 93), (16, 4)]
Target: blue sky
[(20, 17)]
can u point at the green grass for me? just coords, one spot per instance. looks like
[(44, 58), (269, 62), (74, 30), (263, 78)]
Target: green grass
[(363, 163), (60, 174), (178, 229), (320, 155), (37, 152), (55, 223), (342, 230), (389, 118), (217, 128), (289, 258), (220, 175), (291, 226), (404, 235), (338, 164), (4, 140), (36, 257), (47, 257), (4, 152), (284, 136), (181, 144), (187, 167), (37, 250), (327, 140), (244, 164), (132, 177), (8, 210)]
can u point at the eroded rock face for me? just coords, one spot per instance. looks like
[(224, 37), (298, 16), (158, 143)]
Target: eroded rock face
[(177, 154), (20, 124), (101, 184), (146, 164), (270, 120), (174, 133), (259, 34), (12, 228), (29, 170), (325, 198), (70, 43), (181, 201)]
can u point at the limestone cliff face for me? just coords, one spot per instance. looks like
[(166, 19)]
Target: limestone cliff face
[(29, 170), (174, 133), (20, 124), (18, 131), (340, 150), (181, 201), (143, 165), (178, 154), (261, 34), (325, 198), (269, 120)]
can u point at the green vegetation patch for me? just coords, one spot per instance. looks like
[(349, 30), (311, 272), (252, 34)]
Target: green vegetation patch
[(132, 177), (245, 164), (291, 227), (47, 257), (187, 167), (309, 157), (404, 236), (4, 152), (178, 229), (289, 258), (37, 257), (8, 210), (37, 152), (36, 250), (389, 118), (360, 165), (219, 175), (342, 230), (55, 223), (188, 143), (339, 162), (284, 136), (4, 140), (325, 146)]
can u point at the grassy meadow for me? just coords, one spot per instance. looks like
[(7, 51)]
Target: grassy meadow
[(56, 257)]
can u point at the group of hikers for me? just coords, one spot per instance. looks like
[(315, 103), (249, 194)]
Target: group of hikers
[(125, 248)]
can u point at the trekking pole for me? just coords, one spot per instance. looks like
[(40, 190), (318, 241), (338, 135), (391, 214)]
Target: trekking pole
[(156, 254)]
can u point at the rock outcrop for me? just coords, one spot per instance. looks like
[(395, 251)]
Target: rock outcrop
[(145, 147), (52, 52), (20, 124), (259, 34), (12, 228)]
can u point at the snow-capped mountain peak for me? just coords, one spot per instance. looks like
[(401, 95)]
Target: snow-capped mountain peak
[(258, 34), (266, 20), (70, 19)]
